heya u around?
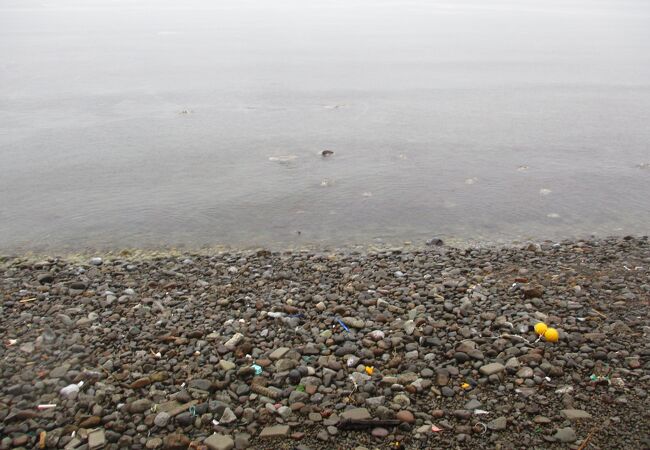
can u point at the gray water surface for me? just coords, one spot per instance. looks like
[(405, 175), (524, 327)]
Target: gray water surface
[(160, 123)]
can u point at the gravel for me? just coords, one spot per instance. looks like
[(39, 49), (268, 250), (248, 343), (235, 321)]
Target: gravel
[(260, 349)]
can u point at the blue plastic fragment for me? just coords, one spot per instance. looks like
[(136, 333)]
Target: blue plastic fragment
[(343, 325)]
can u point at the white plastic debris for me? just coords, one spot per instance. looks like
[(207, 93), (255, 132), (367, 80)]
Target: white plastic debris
[(71, 389), (564, 390)]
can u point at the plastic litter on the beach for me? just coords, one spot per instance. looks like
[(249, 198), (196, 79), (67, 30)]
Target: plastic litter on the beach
[(564, 390), (352, 361), (343, 324), (71, 389), (599, 379), (46, 406)]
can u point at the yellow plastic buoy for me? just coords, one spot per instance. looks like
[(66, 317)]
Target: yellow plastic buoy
[(370, 370), (540, 328), (551, 335)]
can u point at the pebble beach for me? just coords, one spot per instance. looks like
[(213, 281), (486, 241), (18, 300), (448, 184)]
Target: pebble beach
[(413, 348)]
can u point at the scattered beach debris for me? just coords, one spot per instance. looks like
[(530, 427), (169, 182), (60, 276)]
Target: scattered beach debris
[(544, 191), (472, 180), (326, 153), (399, 361), (553, 216), (46, 406)]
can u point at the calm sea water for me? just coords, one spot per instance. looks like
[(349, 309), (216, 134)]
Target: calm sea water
[(159, 123)]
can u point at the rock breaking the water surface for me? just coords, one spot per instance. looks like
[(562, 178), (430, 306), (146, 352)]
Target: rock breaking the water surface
[(431, 348)]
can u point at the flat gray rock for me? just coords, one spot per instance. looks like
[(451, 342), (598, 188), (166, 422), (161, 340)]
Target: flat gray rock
[(565, 435), (279, 353), (275, 431), (492, 368), (219, 442), (356, 414), (575, 414)]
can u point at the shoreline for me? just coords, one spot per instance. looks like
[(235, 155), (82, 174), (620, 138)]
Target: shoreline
[(83, 253), (296, 349)]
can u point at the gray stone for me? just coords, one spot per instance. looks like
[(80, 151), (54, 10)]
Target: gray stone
[(96, 439), (525, 372), (354, 322), (242, 441), (376, 401), (565, 435), (355, 414), (323, 436), (472, 404), (284, 412), (279, 353), (161, 419), (45, 278), (402, 400), (298, 396), (228, 416), (226, 365), (234, 341), (154, 443), (283, 365), (492, 368), (185, 419), (498, 424), (60, 371), (575, 414), (219, 442), (201, 384), (275, 431), (140, 406)]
